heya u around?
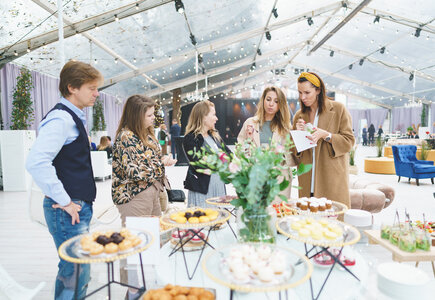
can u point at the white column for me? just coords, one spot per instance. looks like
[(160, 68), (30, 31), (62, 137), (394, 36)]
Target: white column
[(61, 47)]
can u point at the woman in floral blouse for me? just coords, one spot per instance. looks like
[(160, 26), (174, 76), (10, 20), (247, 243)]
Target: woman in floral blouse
[(138, 166), (138, 169)]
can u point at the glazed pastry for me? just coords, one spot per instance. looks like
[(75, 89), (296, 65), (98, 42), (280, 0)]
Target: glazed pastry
[(258, 266), (304, 232), (125, 245), (328, 204), (136, 241), (86, 240), (103, 240), (180, 220), (241, 273), (116, 238), (278, 266), (193, 220), (296, 225), (204, 219), (111, 248), (96, 249), (330, 235)]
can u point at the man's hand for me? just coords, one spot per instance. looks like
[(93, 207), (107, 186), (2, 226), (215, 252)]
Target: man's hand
[(72, 209)]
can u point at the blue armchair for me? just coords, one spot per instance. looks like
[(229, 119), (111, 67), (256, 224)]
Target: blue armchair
[(407, 165)]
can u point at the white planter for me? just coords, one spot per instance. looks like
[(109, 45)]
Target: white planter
[(96, 136), (353, 170), (15, 146), (422, 132)]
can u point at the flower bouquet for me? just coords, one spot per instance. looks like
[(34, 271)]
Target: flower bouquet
[(258, 176)]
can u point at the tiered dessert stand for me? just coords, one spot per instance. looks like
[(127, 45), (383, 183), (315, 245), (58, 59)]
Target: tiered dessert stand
[(299, 270), (350, 236), (226, 205), (71, 251), (195, 230)]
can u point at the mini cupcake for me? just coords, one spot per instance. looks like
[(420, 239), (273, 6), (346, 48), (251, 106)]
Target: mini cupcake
[(314, 207), (322, 206), (304, 205), (264, 252), (328, 204), (298, 203)]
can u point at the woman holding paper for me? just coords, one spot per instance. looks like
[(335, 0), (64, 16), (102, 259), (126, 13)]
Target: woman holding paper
[(332, 134), (271, 123)]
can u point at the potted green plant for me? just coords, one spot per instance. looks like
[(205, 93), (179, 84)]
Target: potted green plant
[(425, 149), (99, 124), (16, 142), (353, 169), (379, 146), (254, 173)]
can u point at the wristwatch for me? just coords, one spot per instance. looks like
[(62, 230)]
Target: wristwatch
[(328, 138)]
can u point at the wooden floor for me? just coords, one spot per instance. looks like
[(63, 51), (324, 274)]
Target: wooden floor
[(28, 254)]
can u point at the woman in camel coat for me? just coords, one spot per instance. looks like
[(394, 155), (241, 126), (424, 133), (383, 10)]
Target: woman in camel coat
[(271, 124), (334, 139)]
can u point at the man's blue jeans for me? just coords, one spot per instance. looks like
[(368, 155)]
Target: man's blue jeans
[(60, 227)]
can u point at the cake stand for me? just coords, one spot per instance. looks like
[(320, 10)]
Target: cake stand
[(226, 205), (336, 209), (71, 251), (299, 270), (351, 236), (195, 229)]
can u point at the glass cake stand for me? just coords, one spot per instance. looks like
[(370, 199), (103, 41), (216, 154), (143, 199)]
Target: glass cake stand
[(350, 236), (71, 251), (297, 271), (195, 230)]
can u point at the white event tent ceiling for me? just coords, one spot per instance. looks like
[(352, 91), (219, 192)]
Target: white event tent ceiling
[(376, 51)]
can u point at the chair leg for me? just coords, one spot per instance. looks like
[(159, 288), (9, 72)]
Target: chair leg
[(417, 182), (431, 180), (409, 179), (398, 179)]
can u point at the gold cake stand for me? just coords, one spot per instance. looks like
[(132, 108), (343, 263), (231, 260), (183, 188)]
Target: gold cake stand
[(337, 209), (195, 229), (224, 205), (299, 270), (71, 251), (351, 236)]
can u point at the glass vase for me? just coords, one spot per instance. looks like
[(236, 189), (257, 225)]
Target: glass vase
[(256, 225)]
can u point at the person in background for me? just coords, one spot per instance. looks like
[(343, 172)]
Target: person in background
[(163, 134), (105, 146), (138, 170), (380, 131), (110, 140), (329, 176), (175, 131), (371, 132), (92, 144), (201, 132), (270, 124), (364, 135), (60, 164)]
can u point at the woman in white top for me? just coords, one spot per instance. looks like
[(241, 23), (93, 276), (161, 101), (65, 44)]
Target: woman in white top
[(271, 123)]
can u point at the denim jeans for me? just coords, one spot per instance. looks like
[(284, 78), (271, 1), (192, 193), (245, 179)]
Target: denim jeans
[(61, 229)]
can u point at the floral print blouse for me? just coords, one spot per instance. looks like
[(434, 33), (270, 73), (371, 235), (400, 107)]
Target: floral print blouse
[(135, 167)]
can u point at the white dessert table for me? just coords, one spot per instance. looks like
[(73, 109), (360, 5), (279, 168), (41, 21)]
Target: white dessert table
[(340, 285)]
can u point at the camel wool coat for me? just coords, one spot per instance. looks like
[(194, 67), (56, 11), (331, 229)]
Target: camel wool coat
[(332, 158)]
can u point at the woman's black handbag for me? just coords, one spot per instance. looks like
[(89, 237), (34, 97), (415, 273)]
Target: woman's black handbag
[(176, 195)]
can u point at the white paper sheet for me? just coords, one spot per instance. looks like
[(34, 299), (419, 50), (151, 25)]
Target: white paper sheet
[(301, 141), (152, 254)]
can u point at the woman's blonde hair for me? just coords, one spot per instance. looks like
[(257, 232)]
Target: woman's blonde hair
[(104, 143), (281, 120), (196, 119), (133, 116)]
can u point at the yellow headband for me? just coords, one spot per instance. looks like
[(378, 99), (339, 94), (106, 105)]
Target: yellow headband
[(311, 78)]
